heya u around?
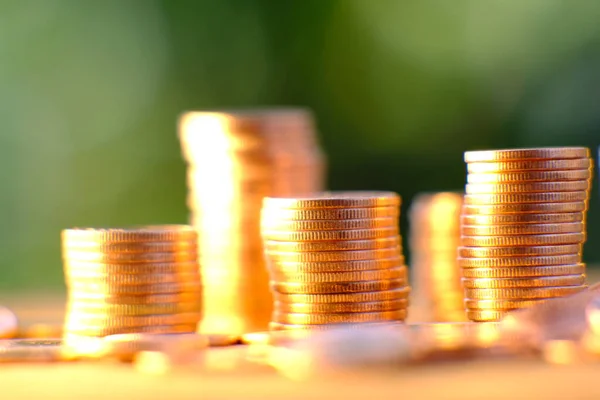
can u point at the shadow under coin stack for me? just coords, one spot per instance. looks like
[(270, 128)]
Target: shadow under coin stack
[(523, 227), (434, 239), (131, 280), (335, 258), (235, 159)]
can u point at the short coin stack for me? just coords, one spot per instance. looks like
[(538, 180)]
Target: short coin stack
[(235, 159), (523, 227), (335, 258), (131, 280), (434, 239)]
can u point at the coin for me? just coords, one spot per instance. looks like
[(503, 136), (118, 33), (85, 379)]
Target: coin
[(549, 197), (543, 153), (128, 247), (125, 346), (30, 350), (485, 315), (328, 256), (523, 293), (339, 318), (526, 240), (527, 208), (524, 272), (106, 287), (333, 200), (158, 233), (117, 258), (152, 298), (529, 165), (75, 267), (311, 236), (530, 176), (521, 219), (84, 320), (337, 287), (518, 261), (530, 282), (382, 243), (483, 252), (130, 309), (350, 307), (474, 304), (335, 213), (277, 225), (99, 331), (384, 295), (521, 229), (131, 279), (529, 187), (317, 277), (276, 326), (338, 266)]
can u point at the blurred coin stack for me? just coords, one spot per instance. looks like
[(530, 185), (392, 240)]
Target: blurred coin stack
[(523, 227), (434, 238), (235, 159), (335, 258), (131, 280)]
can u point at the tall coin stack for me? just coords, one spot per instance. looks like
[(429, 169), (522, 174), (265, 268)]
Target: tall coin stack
[(523, 227), (434, 238), (131, 280), (235, 159), (335, 258)]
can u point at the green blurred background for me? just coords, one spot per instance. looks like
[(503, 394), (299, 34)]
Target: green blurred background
[(90, 92)]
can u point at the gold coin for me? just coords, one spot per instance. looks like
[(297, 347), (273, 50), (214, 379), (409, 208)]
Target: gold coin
[(30, 350), (529, 187), (339, 266), (529, 165), (475, 304), (321, 224), (131, 279), (117, 258), (186, 297), (312, 236), (521, 229), (337, 287), (144, 247), (545, 281), (401, 293), (353, 307), (544, 153), (332, 200), (531, 176), (151, 233), (485, 252), (335, 213), (99, 308), (549, 197), (383, 243), (108, 288), (525, 240), (98, 331), (318, 277), (82, 319), (340, 318), (328, 256), (485, 315), (77, 267), (521, 219), (518, 261), (276, 326), (524, 272), (527, 208), (523, 293)]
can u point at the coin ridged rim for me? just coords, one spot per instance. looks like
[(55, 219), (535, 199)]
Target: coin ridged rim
[(510, 198), (75, 267), (149, 233), (133, 258), (487, 252), (327, 256), (400, 293), (486, 315), (337, 287), (160, 298), (500, 305), (524, 240), (132, 279), (528, 165), (336, 213), (355, 276), (72, 332), (523, 293), (116, 310), (349, 307), (522, 229), (313, 236), (274, 225), (279, 327), (509, 219), (110, 288), (348, 199), (529, 187), (338, 318), (525, 208), (501, 262), (524, 272), (133, 248), (334, 245), (336, 266), (529, 282), (542, 153), (74, 319), (531, 176)]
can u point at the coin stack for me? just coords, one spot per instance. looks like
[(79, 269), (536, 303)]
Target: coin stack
[(131, 280), (335, 258), (434, 238), (523, 227), (235, 159)]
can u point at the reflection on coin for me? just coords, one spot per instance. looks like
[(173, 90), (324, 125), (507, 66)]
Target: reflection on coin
[(136, 248), (340, 318), (521, 229), (350, 307), (151, 298), (337, 287), (342, 297), (317, 277), (338, 266), (274, 246), (526, 240), (530, 282), (335, 213), (125, 346), (310, 236), (127, 309), (77, 267), (276, 326), (9, 325), (335, 200), (487, 167), (500, 304), (527, 208), (510, 198), (158, 288), (320, 225), (518, 261), (526, 154), (521, 219), (474, 252), (99, 331), (137, 234), (88, 319), (131, 279), (529, 187), (116, 258), (30, 350), (524, 272), (531, 176), (485, 315), (520, 293), (330, 256)]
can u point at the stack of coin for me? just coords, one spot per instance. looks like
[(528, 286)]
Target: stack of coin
[(235, 159), (434, 239), (131, 280), (523, 227), (335, 258)]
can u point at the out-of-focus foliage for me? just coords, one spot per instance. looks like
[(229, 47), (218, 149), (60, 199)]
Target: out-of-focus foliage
[(90, 91)]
